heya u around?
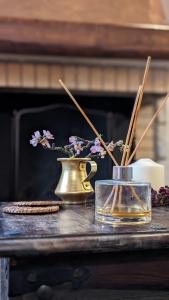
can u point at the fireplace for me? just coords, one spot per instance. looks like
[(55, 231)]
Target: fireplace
[(32, 174), (34, 100)]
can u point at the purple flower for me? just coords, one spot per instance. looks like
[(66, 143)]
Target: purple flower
[(73, 140), (47, 134), (43, 140), (97, 148), (35, 138), (97, 142), (78, 147)]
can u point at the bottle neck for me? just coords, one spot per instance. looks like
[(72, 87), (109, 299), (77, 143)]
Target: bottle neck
[(122, 173)]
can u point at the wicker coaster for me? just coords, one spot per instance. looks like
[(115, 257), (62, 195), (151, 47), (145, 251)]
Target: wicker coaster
[(37, 203), (30, 210)]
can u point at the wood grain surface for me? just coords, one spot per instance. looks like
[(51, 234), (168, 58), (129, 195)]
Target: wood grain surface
[(100, 294), (4, 272), (74, 229), (23, 36)]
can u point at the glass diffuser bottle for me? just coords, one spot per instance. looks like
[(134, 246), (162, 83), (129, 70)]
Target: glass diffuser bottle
[(122, 200)]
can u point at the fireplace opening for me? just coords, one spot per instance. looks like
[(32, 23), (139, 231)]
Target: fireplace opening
[(29, 173)]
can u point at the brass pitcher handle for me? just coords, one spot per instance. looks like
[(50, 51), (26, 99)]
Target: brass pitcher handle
[(92, 171)]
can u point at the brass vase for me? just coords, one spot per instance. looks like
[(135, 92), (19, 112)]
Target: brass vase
[(74, 185)]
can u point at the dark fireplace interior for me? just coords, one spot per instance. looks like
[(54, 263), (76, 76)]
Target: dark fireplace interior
[(29, 173)]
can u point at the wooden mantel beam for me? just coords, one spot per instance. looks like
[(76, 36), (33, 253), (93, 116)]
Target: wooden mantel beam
[(81, 39)]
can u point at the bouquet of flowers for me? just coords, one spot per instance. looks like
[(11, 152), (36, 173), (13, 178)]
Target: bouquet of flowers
[(76, 145)]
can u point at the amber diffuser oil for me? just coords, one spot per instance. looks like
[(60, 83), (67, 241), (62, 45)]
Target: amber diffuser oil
[(122, 200)]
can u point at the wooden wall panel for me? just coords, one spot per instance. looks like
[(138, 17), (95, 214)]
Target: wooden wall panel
[(109, 79), (69, 76), (121, 79), (28, 75), (56, 72), (83, 79), (95, 78), (3, 75), (134, 78), (105, 12), (159, 80), (41, 76), (13, 75)]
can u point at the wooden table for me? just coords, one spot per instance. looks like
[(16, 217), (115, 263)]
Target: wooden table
[(109, 257)]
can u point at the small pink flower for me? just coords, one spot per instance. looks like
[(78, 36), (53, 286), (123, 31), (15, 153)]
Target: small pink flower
[(43, 140), (78, 147), (97, 142), (35, 138), (73, 140), (47, 134), (96, 149)]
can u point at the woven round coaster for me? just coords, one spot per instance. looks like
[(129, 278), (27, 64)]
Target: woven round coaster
[(37, 203), (30, 210)]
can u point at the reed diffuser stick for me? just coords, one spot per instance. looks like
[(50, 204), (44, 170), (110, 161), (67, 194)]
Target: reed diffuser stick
[(131, 130), (146, 72), (88, 121), (147, 128), (130, 126), (138, 108), (109, 197), (115, 198)]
